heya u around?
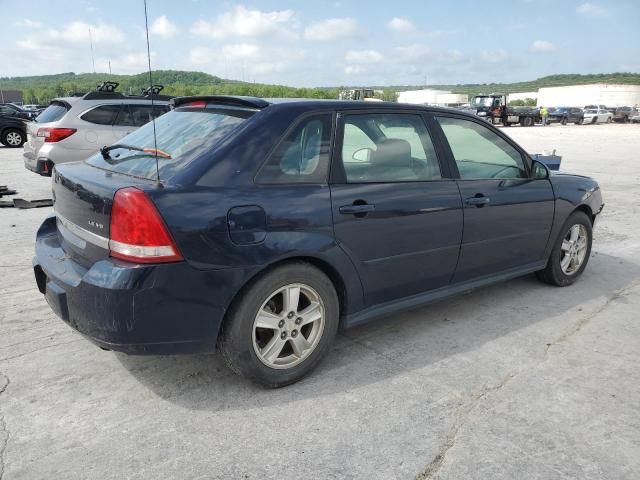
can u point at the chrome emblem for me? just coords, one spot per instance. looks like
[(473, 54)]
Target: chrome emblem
[(96, 225)]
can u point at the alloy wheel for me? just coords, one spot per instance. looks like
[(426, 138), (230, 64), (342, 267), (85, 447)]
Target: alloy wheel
[(14, 139), (288, 326), (573, 249)]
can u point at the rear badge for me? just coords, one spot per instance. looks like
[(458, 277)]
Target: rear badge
[(96, 224)]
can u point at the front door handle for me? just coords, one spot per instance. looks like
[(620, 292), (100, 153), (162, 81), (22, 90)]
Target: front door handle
[(358, 209), (479, 200)]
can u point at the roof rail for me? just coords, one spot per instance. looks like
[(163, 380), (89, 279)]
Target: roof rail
[(237, 101)]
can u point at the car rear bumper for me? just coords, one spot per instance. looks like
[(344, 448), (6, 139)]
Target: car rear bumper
[(42, 166), (136, 309)]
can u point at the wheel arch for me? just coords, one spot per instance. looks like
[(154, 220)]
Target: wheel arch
[(587, 210), (321, 264)]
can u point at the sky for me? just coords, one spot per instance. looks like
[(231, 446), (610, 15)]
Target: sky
[(325, 43)]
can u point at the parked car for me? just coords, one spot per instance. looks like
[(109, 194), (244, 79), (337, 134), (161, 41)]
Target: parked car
[(259, 228), (635, 118), (565, 115), (597, 115), (74, 128), (624, 114), (13, 130)]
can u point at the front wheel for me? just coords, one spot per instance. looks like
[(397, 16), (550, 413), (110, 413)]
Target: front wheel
[(609, 120), (282, 325), (570, 254), (564, 121), (579, 121)]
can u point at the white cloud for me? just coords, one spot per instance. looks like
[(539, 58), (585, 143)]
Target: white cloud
[(363, 56), (590, 10), (28, 23), (401, 24), (243, 22), (333, 29), (163, 27), (78, 32), (494, 56), (542, 46)]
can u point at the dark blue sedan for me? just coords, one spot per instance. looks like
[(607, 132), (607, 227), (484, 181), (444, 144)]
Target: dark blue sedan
[(259, 228)]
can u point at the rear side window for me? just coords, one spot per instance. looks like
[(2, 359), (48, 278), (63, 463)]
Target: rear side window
[(303, 156), (53, 112), (102, 115), (386, 147), (137, 115)]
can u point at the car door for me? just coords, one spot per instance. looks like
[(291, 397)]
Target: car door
[(507, 214), (98, 131), (395, 212), (123, 124)]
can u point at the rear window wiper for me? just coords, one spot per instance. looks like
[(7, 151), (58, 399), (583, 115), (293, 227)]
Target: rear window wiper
[(151, 151)]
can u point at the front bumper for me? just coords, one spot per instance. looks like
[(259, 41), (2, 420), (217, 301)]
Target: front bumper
[(136, 309)]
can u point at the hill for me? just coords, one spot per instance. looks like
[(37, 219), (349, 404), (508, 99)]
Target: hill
[(42, 88)]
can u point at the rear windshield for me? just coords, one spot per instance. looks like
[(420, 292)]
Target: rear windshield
[(53, 112), (183, 134)]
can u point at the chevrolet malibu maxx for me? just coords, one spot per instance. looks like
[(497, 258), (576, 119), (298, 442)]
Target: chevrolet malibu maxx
[(258, 228)]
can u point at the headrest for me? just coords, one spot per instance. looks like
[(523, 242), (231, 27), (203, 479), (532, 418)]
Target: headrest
[(392, 152)]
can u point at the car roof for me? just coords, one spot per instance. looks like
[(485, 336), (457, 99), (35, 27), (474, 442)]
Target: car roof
[(308, 103)]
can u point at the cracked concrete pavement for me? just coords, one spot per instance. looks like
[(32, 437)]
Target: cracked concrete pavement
[(518, 380)]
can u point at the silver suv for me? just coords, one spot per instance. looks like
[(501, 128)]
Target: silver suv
[(74, 128)]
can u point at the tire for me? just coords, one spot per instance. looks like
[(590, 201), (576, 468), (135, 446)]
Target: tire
[(526, 122), (563, 121), (245, 345), (554, 273), (608, 119), (13, 138), (580, 121)]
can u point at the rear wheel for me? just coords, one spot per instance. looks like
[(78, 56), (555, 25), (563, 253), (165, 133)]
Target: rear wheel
[(563, 121), (282, 326), (579, 121), (570, 254), (13, 138), (608, 119)]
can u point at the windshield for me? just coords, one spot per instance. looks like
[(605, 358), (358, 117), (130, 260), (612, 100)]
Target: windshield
[(183, 134), (482, 101)]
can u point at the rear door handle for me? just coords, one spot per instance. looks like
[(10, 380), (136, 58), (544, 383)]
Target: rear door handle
[(478, 200), (357, 209)]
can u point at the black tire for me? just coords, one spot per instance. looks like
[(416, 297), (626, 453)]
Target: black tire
[(526, 122), (13, 138), (552, 273), (580, 121), (563, 121), (236, 339), (609, 120)]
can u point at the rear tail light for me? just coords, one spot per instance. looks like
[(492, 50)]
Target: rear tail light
[(52, 134), (138, 233)]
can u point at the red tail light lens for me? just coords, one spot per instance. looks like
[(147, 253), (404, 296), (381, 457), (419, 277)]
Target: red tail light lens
[(195, 104), (138, 233), (55, 134)]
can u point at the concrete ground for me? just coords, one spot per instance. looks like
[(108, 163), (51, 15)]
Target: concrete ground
[(519, 380)]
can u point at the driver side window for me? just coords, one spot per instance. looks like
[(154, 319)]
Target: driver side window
[(480, 153)]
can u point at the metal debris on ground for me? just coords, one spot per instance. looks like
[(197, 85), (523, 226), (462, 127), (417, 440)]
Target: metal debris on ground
[(4, 190), (22, 204)]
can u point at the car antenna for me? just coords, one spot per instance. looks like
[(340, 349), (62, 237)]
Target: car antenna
[(155, 138)]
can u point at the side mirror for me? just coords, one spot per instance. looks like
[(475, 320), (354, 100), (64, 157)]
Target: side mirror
[(362, 155), (539, 170)]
